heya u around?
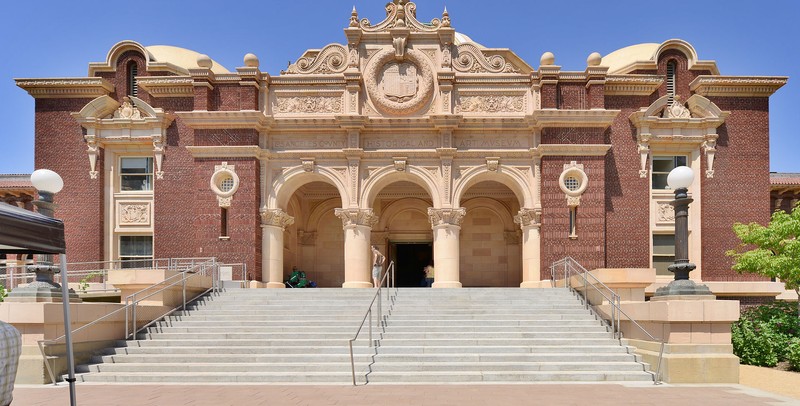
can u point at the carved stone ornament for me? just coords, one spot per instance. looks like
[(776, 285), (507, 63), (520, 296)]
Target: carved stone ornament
[(710, 148), (224, 183), (528, 217), (134, 214), (308, 164), (158, 152), (128, 110), (402, 14), (276, 217), (92, 150), (357, 217), (399, 163), (470, 58), (677, 109), (490, 104), (573, 182), (309, 104), (492, 163), (330, 60), (399, 87), (441, 217), (666, 213), (644, 152)]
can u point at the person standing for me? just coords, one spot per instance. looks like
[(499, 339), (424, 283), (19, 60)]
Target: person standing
[(429, 274), (377, 266)]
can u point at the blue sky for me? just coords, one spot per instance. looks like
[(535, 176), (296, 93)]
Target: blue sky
[(60, 38)]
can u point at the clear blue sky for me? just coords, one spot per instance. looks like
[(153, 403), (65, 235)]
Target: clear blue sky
[(59, 39)]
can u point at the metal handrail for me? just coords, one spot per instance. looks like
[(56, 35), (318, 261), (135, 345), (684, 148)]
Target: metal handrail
[(200, 269), (389, 279), (571, 266)]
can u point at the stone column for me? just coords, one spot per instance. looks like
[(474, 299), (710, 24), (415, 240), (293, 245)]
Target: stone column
[(357, 224), (273, 223), (446, 224), (529, 221)]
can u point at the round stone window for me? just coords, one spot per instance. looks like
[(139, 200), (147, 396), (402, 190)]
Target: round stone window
[(227, 184), (572, 183), (224, 182)]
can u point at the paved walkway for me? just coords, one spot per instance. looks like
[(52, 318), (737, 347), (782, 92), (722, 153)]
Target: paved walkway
[(391, 395)]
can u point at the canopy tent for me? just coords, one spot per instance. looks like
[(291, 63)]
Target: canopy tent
[(26, 232)]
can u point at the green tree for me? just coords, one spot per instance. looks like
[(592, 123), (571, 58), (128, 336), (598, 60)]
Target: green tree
[(777, 249)]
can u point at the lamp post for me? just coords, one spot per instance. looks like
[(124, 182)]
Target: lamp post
[(679, 180), (49, 183)]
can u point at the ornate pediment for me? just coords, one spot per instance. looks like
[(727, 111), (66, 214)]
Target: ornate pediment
[(400, 14), (329, 60), (471, 59)]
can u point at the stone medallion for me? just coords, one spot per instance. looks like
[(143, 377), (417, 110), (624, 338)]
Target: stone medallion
[(399, 87)]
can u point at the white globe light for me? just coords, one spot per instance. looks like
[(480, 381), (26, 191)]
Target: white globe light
[(680, 177), (46, 180)]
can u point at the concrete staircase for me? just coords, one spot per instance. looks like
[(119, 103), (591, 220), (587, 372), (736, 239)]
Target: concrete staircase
[(433, 336)]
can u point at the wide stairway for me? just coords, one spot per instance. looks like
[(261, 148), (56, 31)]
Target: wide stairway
[(432, 336)]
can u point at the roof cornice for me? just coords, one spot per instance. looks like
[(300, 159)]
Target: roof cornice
[(66, 88)]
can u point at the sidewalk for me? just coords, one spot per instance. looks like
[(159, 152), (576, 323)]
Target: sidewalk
[(390, 395)]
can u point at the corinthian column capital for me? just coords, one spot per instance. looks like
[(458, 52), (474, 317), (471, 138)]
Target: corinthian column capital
[(528, 217), (441, 217), (357, 217), (276, 217)]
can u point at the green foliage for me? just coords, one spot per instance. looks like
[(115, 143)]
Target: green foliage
[(793, 354), (83, 285), (777, 248), (3, 292), (768, 334)]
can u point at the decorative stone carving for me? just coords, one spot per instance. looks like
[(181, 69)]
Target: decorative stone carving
[(573, 182), (158, 151), (128, 110), (399, 87), (528, 217), (440, 217), (470, 58), (276, 217), (666, 213), (357, 217), (331, 59), (399, 163), (308, 164), (644, 152), (677, 109), (709, 147), (491, 104), (309, 104), (134, 214), (224, 183), (403, 14), (492, 163), (92, 149)]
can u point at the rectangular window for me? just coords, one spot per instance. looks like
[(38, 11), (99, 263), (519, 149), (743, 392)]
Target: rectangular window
[(663, 253), (223, 222), (662, 165), (136, 174), (573, 220), (136, 251)]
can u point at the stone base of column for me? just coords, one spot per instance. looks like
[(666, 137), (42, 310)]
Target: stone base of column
[(357, 285), (275, 285), (445, 285)]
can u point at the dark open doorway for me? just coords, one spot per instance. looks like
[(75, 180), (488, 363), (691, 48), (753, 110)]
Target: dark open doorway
[(410, 260)]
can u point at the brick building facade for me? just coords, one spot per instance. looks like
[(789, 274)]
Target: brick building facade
[(412, 137)]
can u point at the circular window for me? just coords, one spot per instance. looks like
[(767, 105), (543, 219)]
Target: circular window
[(224, 182), (227, 183), (572, 183)]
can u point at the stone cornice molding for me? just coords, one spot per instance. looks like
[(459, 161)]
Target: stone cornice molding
[(65, 88), (635, 85), (741, 86), (571, 149), (357, 217), (276, 218), (574, 118), (167, 86), (307, 80), (225, 151), (207, 120), (446, 217)]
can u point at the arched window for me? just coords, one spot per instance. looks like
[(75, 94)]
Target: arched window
[(133, 71), (671, 81)]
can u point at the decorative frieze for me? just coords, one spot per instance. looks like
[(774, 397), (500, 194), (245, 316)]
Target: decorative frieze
[(490, 104), (309, 104), (134, 214), (742, 86), (440, 217), (66, 87), (666, 213), (276, 218), (357, 217)]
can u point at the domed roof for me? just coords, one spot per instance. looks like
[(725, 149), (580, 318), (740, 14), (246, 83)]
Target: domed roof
[(180, 57), (461, 38), (629, 55)]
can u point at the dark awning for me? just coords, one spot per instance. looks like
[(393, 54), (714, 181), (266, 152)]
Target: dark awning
[(26, 232)]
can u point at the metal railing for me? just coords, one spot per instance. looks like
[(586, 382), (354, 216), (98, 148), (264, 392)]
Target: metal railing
[(190, 269), (390, 282), (570, 268)]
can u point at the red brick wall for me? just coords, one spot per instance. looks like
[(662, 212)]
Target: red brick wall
[(226, 137), (244, 221), (588, 248), (627, 195), (572, 96), (738, 190), (59, 146)]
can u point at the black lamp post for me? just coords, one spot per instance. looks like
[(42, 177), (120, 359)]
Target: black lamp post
[(679, 179)]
